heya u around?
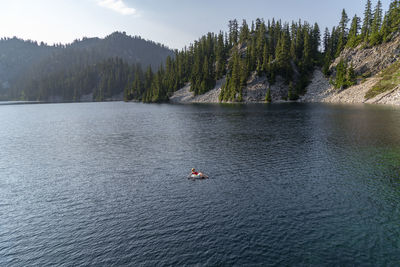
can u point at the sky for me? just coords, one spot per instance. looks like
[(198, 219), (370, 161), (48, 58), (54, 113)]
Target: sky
[(175, 23)]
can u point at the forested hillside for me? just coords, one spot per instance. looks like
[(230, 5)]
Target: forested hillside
[(17, 56), (42, 72), (105, 80), (373, 29), (271, 48), (98, 69)]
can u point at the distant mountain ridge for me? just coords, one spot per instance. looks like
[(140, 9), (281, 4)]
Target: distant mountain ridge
[(25, 62)]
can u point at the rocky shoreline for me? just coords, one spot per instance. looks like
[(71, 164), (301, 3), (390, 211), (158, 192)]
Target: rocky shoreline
[(185, 96), (319, 91), (368, 63)]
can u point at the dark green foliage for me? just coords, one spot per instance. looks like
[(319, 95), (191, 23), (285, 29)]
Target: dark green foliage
[(351, 76), (244, 32), (367, 22), (353, 37), (268, 98), (282, 56), (390, 78), (201, 65), (391, 21), (340, 81), (375, 29), (376, 35), (330, 48), (270, 49), (343, 32), (106, 67), (292, 95), (34, 75), (273, 49), (235, 79), (16, 58), (101, 81), (233, 32), (345, 75)]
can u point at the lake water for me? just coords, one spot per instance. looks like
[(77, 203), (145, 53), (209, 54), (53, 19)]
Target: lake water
[(106, 184)]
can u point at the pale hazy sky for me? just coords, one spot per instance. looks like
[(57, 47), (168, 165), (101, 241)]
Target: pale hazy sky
[(174, 23)]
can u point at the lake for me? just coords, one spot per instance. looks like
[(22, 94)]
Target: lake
[(104, 184)]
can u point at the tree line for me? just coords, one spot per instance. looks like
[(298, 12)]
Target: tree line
[(373, 29), (271, 49), (97, 82), (40, 72), (267, 49)]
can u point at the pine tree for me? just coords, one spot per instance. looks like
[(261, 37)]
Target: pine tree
[(293, 47), (342, 33), (235, 79), (385, 29), (375, 37), (353, 39), (283, 56), (268, 97), (316, 41), (265, 59), (341, 71), (306, 63), (244, 32), (351, 76), (394, 15), (233, 32), (205, 83), (327, 52), (327, 37), (260, 41), (299, 42), (220, 56), (367, 22)]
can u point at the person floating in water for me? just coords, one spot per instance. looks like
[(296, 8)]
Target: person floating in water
[(195, 174)]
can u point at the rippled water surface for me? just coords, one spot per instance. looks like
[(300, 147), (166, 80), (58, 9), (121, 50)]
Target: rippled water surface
[(105, 184)]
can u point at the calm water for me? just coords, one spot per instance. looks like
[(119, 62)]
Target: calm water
[(292, 184)]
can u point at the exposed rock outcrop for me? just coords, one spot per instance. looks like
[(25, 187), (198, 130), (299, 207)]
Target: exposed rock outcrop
[(257, 87), (367, 62), (318, 90), (185, 96), (370, 61), (321, 91), (254, 92)]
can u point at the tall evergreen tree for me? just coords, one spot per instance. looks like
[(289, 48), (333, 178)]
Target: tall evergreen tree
[(244, 32), (233, 32), (375, 37), (367, 22), (283, 55), (327, 37), (316, 41), (355, 27), (342, 32)]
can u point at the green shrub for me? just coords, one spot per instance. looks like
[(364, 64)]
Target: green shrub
[(390, 78)]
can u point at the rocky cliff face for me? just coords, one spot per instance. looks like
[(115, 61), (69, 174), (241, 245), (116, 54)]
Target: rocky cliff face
[(254, 92), (257, 87), (370, 61), (185, 96), (367, 62), (321, 91)]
